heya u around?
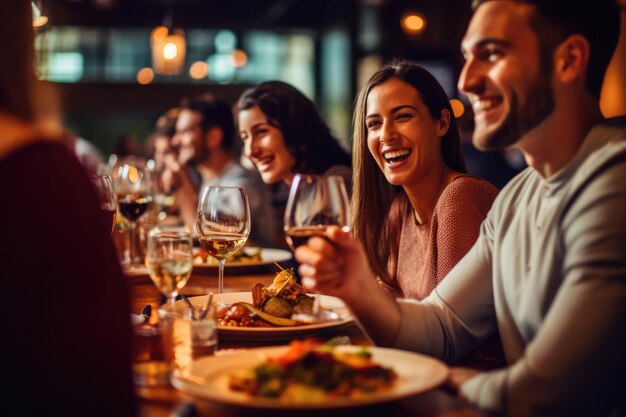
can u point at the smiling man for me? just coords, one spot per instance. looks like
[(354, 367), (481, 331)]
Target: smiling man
[(204, 145), (549, 267)]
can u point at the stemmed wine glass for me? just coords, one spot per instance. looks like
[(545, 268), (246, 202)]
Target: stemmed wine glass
[(133, 185), (223, 223), (104, 187), (169, 260), (315, 202)]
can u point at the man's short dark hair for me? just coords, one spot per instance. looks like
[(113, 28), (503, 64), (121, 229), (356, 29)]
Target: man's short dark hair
[(214, 112), (598, 21)]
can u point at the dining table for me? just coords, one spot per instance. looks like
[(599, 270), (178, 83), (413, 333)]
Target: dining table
[(166, 401)]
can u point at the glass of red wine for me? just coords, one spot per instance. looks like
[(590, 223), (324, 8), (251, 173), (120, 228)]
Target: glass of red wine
[(315, 202), (104, 186), (133, 186)]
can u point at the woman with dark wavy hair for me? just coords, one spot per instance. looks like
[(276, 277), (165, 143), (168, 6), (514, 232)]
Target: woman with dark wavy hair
[(284, 134)]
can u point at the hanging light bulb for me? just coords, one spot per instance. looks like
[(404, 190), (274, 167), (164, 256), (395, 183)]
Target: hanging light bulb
[(168, 52), (168, 46), (39, 19)]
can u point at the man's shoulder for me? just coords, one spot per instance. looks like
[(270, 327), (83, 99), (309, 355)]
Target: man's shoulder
[(239, 173)]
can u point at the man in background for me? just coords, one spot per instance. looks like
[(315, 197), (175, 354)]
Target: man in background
[(205, 154)]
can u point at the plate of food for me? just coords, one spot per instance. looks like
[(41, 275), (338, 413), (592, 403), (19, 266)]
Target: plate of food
[(310, 375), (264, 313), (246, 259)]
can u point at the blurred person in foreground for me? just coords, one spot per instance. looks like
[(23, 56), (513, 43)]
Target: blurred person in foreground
[(549, 266), (51, 115), (205, 147), (415, 209), (66, 322)]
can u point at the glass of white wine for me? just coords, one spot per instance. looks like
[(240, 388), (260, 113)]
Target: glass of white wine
[(169, 260), (223, 224), (315, 202)]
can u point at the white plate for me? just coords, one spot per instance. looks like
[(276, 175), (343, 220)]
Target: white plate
[(268, 257), (208, 378), (263, 334)]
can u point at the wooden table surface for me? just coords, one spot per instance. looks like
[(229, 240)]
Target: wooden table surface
[(163, 401)]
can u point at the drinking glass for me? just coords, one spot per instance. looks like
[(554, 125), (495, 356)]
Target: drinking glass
[(133, 185), (164, 198), (169, 260), (104, 186), (315, 202), (223, 224)]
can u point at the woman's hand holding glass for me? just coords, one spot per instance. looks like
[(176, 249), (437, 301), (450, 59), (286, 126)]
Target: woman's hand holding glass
[(315, 203)]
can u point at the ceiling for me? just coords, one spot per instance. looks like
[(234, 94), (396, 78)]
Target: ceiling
[(234, 14)]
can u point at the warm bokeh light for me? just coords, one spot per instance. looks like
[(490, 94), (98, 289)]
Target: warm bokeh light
[(40, 21), (159, 34), (240, 58), (457, 107), (168, 55), (145, 76), (199, 70), (413, 23), (170, 51)]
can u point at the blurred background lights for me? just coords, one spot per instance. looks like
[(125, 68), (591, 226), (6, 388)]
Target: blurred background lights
[(170, 51), (457, 107), (413, 23), (199, 70), (159, 34), (145, 76), (39, 19), (225, 41), (240, 58)]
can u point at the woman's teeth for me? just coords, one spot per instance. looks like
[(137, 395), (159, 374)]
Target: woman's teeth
[(396, 156)]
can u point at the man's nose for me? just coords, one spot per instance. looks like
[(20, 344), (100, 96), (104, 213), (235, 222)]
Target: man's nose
[(470, 79)]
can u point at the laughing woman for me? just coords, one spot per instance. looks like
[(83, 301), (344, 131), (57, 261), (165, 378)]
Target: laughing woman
[(284, 134), (415, 210)]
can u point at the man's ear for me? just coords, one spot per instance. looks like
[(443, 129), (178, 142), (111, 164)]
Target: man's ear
[(571, 59), (214, 137)]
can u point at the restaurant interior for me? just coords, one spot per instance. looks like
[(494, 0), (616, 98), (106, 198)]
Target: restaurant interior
[(116, 66)]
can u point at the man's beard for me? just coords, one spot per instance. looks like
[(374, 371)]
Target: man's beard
[(539, 105)]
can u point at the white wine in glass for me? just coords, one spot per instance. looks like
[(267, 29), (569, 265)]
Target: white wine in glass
[(169, 260), (315, 202), (223, 224)]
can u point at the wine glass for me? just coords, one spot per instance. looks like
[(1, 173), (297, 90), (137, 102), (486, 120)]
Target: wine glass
[(223, 223), (164, 198), (315, 202), (169, 260), (133, 185), (104, 187)]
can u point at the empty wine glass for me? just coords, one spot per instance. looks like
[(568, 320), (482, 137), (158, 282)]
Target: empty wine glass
[(104, 187), (133, 186), (223, 223), (315, 202), (169, 260)]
